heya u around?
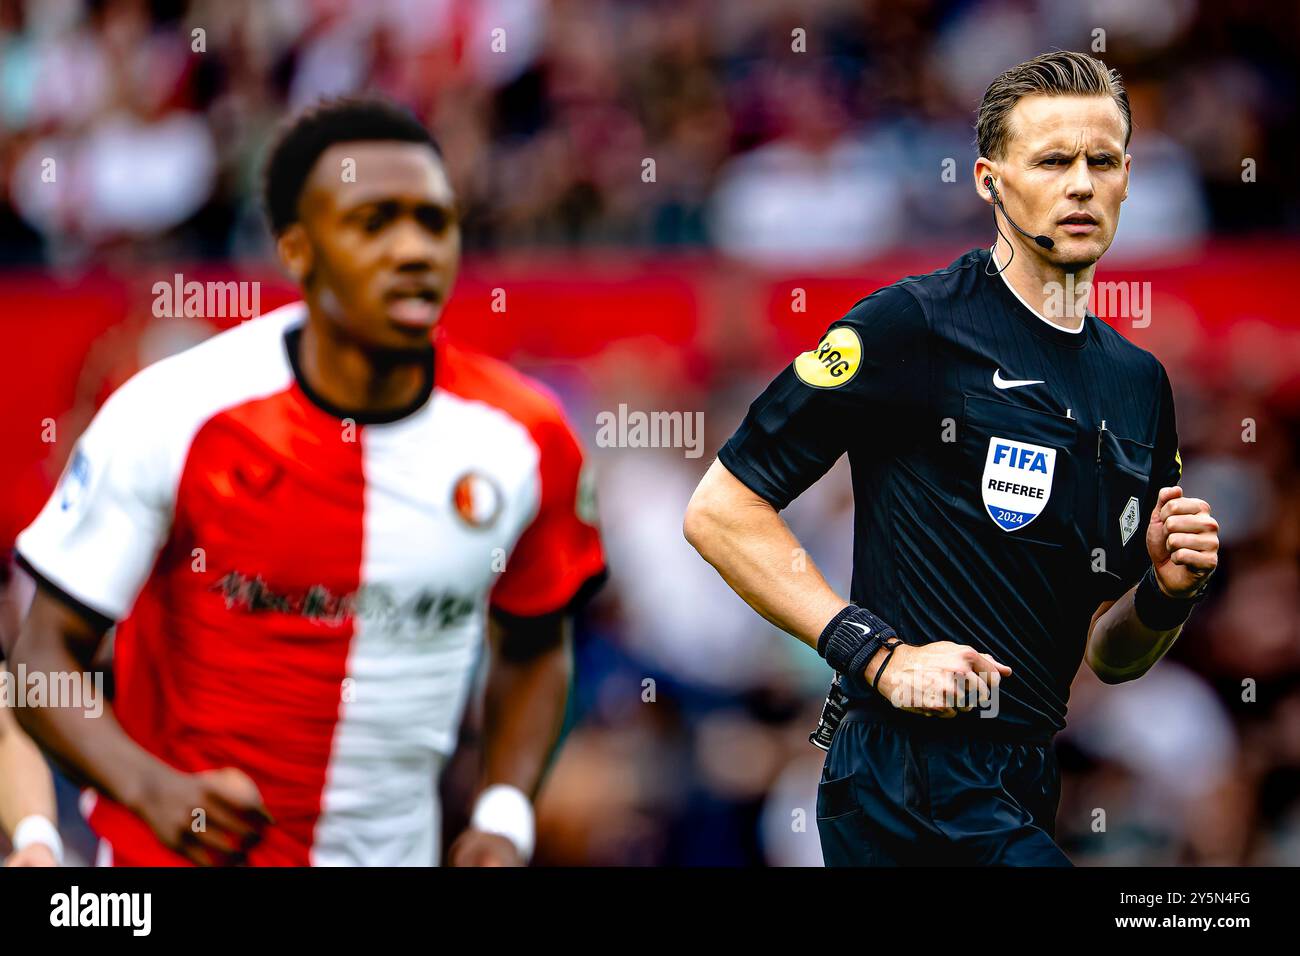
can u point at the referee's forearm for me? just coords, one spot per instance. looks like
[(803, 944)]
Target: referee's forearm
[(753, 549), (1120, 647)]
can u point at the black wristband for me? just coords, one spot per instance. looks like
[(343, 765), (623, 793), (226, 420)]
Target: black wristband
[(852, 638), (1159, 611)]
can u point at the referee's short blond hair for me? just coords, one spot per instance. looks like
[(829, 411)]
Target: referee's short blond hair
[(1060, 73)]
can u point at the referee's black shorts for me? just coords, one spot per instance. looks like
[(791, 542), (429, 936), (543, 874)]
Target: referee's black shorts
[(905, 793)]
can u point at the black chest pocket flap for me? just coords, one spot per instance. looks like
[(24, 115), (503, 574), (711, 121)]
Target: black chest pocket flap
[(1018, 473), (1122, 481)]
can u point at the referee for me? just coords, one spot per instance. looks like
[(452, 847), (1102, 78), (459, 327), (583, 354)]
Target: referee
[(1016, 478)]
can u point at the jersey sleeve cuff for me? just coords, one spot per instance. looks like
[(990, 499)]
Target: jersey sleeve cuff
[(584, 593), (752, 478), (43, 581)]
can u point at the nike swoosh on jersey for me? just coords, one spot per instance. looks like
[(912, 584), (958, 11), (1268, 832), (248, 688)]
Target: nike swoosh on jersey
[(1000, 382)]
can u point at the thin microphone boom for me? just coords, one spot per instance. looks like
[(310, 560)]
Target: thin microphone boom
[(1042, 241)]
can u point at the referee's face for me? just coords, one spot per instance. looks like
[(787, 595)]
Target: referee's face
[(1065, 174)]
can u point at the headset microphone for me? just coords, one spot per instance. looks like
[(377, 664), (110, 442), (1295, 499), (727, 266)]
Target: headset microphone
[(1043, 241)]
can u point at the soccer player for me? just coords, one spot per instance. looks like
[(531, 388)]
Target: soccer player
[(28, 813), (27, 808), (303, 528), (1016, 477)]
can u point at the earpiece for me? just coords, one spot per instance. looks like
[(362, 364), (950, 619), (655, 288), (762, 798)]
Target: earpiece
[(1042, 241)]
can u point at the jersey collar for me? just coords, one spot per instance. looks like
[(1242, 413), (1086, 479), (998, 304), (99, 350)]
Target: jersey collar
[(1028, 316), (292, 342)]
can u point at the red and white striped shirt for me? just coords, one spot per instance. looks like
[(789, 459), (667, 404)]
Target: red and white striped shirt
[(304, 596)]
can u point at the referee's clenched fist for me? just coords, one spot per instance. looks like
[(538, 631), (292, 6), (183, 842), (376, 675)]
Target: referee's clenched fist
[(1183, 541), (942, 679)]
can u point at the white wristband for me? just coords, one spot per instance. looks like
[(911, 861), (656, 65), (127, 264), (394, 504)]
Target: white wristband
[(37, 829), (505, 810)]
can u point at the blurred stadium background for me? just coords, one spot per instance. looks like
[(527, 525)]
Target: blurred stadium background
[(779, 177)]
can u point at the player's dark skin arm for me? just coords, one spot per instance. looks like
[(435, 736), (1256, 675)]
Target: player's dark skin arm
[(96, 751), (1183, 542), (523, 712)]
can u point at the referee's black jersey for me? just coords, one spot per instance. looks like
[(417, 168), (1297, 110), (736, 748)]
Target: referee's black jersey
[(1004, 470)]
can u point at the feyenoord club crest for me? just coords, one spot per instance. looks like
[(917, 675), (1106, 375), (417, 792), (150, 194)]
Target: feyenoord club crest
[(477, 499), (1128, 520), (1017, 481)]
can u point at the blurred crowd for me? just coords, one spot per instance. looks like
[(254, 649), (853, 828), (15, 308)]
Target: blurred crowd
[(775, 130), (687, 739)]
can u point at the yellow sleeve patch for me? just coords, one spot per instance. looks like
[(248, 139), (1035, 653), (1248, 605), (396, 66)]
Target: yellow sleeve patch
[(1178, 457), (834, 362)]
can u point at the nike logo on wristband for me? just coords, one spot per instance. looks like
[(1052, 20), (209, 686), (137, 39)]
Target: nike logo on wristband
[(865, 629)]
